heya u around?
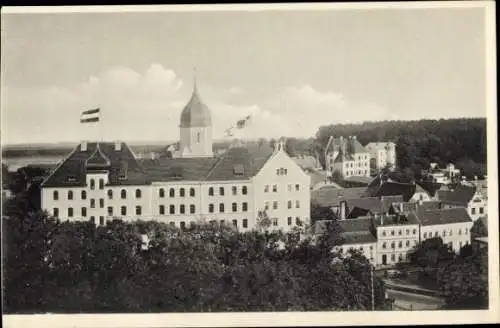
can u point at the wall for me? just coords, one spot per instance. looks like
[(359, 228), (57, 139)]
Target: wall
[(286, 191), (404, 237), (454, 234)]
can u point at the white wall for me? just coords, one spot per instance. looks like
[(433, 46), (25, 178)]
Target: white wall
[(369, 250), (405, 235), (454, 234), (286, 191)]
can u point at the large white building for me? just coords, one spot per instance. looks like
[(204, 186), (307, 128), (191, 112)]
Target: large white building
[(347, 157), (383, 154), (104, 180)]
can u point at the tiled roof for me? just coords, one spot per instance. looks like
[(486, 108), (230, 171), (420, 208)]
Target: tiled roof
[(316, 177), (407, 207), (173, 169), (358, 224), (361, 180), (331, 196), (372, 204), (237, 163), (252, 159), (387, 201), (354, 231), (392, 220), (71, 171), (378, 145), (392, 188), (444, 216), (429, 206), (430, 187), (351, 146), (461, 195), (358, 238)]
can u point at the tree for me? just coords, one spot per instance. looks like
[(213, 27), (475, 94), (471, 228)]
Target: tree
[(319, 212), (430, 254), (463, 286), (479, 229), (336, 176)]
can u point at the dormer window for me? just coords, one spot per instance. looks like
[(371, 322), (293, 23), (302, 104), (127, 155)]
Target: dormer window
[(239, 169), (71, 178)]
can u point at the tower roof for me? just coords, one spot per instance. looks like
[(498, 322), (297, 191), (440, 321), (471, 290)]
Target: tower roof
[(98, 160), (195, 113)]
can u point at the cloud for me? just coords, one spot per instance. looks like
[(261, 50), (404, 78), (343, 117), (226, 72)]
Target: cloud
[(146, 107)]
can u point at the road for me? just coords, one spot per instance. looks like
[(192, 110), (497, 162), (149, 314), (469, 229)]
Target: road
[(410, 301)]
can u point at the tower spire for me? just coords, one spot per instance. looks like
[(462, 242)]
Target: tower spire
[(194, 80)]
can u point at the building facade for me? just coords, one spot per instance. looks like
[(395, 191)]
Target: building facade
[(382, 155), (347, 157), (103, 181)]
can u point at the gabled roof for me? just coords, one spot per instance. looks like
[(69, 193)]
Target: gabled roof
[(394, 220), (252, 159), (174, 169), (356, 225), (372, 204), (429, 206), (358, 238), (444, 216), (71, 171), (331, 196), (236, 163), (351, 146), (354, 231), (430, 187), (461, 195), (392, 188), (387, 201)]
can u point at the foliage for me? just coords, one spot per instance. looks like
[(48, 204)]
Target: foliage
[(479, 229), (430, 254), (461, 141), (462, 285), (148, 266)]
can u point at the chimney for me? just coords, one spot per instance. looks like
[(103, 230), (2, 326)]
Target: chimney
[(401, 207), (83, 146), (343, 206), (118, 146), (353, 137)]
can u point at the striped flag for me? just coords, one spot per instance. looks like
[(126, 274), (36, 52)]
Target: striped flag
[(242, 123), (91, 115)]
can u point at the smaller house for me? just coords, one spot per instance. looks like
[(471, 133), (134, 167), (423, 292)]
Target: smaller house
[(356, 234), (452, 225), (396, 236), (467, 197), (411, 192), (358, 207)]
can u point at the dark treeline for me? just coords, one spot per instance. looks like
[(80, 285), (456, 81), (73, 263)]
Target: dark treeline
[(63, 267), (461, 278), (460, 141)]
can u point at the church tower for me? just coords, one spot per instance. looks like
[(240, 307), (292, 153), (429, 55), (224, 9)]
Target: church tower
[(195, 128)]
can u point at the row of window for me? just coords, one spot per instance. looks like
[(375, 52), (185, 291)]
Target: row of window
[(275, 187), (275, 205), (182, 209), (234, 190), (481, 210), (83, 194), (234, 207), (358, 172), (138, 193), (400, 244), (444, 233), (83, 211), (171, 192), (92, 184), (400, 232)]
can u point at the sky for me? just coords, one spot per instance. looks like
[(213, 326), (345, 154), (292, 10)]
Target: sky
[(293, 71)]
